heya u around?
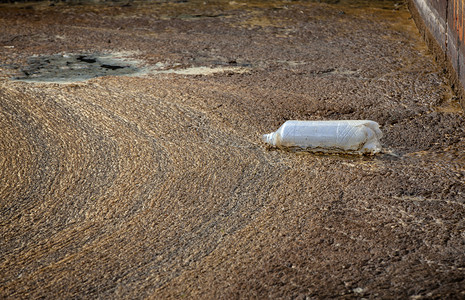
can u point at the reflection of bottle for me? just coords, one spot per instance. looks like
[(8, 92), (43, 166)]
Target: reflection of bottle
[(345, 136)]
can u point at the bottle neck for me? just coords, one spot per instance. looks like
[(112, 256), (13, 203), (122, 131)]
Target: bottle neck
[(269, 138)]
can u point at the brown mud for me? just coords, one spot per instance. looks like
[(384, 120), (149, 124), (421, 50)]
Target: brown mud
[(159, 186)]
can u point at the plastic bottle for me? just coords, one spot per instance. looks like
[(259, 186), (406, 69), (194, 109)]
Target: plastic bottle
[(345, 136)]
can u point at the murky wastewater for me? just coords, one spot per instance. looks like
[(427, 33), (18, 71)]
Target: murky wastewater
[(155, 183), (75, 67)]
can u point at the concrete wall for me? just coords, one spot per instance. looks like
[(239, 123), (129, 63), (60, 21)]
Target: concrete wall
[(442, 25)]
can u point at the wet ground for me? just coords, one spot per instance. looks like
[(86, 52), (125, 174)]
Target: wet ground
[(158, 185)]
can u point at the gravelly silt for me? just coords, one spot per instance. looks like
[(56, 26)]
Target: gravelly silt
[(157, 185)]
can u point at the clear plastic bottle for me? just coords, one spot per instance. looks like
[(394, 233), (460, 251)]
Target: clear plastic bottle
[(344, 136)]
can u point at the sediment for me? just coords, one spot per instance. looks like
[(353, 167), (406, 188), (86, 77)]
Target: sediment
[(158, 185)]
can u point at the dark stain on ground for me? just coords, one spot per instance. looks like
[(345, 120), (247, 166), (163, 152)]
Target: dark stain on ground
[(72, 68), (158, 185)]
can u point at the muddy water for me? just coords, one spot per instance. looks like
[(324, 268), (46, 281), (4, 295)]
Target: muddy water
[(69, 68), (158, 185)]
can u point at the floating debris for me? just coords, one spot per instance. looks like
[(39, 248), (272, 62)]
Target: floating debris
[(343, 136)]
